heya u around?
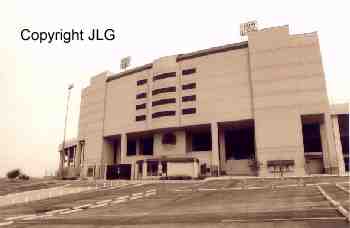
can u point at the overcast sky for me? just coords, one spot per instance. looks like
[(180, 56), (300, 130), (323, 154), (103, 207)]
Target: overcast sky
[(34, 77)]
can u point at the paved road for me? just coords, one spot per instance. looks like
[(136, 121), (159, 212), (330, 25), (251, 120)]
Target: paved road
[(219, 203)]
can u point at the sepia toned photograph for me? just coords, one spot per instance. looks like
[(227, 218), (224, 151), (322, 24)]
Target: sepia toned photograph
[(179, 114)]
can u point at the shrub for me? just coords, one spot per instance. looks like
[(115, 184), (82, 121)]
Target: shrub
[(23, 177), (12, 174)]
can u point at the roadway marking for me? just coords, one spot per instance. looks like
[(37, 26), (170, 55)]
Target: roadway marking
[(18, 217), (98, 205), (136, 197), (6, 223), (57, 211), (342, 188), (336, 204), (36, 217), (123, 197), (119, 201), (103, 201), (207, 189), (150, 194), (282, 219), (84, 206), (70, 211)]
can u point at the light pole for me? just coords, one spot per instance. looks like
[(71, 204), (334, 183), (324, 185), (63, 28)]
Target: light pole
[(70, 87)]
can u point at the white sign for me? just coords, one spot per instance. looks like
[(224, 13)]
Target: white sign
[(125, 62), (249, 26)]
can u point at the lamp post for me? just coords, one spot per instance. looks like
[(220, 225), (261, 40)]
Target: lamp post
[(70, 87)]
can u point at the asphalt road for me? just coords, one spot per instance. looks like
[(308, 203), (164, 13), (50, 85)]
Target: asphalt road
[(217, 203)]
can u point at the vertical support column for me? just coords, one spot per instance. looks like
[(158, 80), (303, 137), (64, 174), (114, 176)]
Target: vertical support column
[(324, 143), (123, 147), (160, 167), (328, 146), (222, 150), (144, 169), (215, 149), (338, 146), (61, 163)]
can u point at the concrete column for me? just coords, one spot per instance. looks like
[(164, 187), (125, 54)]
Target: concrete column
[(160, 166), (338, 146), (60, 169), (144, 169), (222, 150), (215, 148), (328, 146), (123, 147)]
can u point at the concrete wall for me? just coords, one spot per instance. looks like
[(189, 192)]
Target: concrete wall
[(287, 81), (183, 169), (91, 120), (274, 81)]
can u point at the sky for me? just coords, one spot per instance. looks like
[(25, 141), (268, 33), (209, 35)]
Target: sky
[(34, 76)]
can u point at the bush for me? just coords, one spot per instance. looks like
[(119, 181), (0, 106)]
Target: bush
[(23, 177), (13, 174)]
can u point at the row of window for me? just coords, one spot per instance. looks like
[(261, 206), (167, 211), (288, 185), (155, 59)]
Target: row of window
[(155, 115), (167, 75), (167, 101), (166, 90)]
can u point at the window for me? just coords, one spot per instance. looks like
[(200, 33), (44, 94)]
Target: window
[(146, 145), (163, 113), (201, 141), (189, 98), (164, 75), (312, 138), (164, 101), (141, 95), (189, 86), (187, 111), (164, 90), (141, 82), (189, 71), (169, 138), (240, 143), (90, 171), (131, 147), (141, 106), (140, 118)]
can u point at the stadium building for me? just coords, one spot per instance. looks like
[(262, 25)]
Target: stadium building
[(254, 108)]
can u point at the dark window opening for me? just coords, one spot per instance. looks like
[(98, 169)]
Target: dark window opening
[(189, 98), (146, 146), (164, 90), (140, 118), (189, 71), (163, 113), (169, 138), (343, 121), (152, 168), (141, 95), (164, 101), (240, 143), (312, 138), (187, 111), (141, 106), (131, 147), (189, 86), (164, 75), (90, 172), (201, 141), (141, 82)]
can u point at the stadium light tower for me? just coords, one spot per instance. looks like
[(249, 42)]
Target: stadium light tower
[(70, 87)]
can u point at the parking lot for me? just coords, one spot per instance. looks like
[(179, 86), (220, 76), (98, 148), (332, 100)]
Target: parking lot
[(215, 203)]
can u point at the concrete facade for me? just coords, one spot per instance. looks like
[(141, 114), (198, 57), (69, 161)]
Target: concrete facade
[(257, 96)]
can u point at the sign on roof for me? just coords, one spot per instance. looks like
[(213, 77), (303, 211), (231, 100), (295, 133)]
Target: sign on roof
[(249, 26), (125, 62)]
